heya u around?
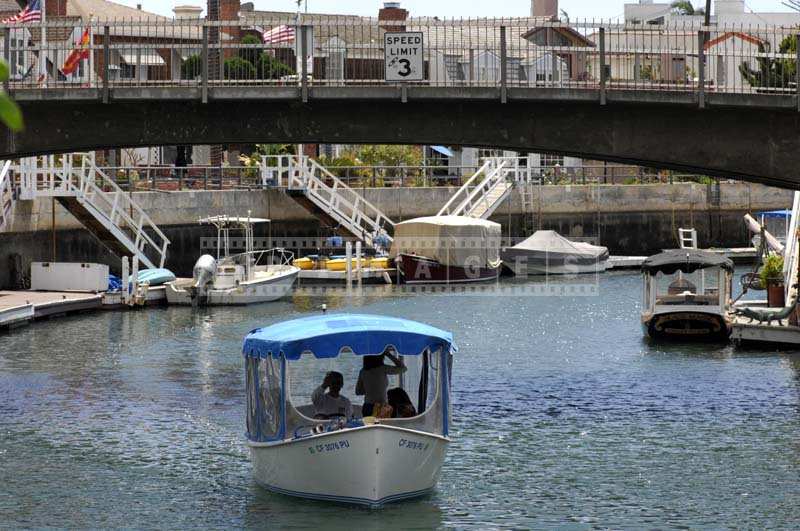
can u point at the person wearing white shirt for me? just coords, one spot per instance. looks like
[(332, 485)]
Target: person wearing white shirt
[(331, 404)]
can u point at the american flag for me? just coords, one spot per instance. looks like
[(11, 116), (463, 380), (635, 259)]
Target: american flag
[(277, 35), (31, 13)]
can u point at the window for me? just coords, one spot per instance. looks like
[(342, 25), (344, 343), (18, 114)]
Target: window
[(263, 398), (127, 71)]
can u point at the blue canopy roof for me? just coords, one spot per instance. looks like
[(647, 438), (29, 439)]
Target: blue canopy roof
[(327, 336), (443, 150), (776, 214)]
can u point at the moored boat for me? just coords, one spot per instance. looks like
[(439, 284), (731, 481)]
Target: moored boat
[(548, 253), (346, 457), (447, 250), (253, 276), (687, 295)]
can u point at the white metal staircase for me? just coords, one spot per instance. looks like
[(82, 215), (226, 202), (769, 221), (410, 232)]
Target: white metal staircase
[(485, 191), (326, 196), (97, 202), (6, 196)]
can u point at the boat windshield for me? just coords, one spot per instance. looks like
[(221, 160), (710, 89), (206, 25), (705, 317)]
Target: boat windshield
[(704, 287), (281, 405)]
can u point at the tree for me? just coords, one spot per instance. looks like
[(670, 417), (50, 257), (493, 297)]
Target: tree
[(238, 68), (250, 54), (683, 7), (192, 67), (10, 113), (772, 72), (269, 67)]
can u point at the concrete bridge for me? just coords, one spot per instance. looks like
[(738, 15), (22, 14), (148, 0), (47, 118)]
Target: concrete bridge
[(734, 129)]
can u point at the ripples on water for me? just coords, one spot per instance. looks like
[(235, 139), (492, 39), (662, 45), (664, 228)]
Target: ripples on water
[(564, 415)]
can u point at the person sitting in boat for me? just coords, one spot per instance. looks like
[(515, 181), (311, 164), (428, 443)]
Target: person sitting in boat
[(331, 404), (402, 408), (373, 380)]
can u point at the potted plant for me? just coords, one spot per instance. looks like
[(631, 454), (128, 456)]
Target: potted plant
[(771, 274)]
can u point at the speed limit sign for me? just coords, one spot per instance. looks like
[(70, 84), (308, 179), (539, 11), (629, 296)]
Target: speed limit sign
[(404, 56)]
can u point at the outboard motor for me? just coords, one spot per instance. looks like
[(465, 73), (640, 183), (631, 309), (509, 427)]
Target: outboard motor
[(203, 274)]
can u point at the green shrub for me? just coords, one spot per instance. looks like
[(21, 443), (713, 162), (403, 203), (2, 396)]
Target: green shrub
[(192, 67), (268, 67), (238, 68), (250, 54), (772, 270)]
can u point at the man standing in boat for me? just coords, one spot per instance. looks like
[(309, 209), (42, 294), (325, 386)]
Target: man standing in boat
[(331, 404)]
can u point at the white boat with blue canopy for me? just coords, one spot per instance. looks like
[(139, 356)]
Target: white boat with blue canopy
[(347, 457)]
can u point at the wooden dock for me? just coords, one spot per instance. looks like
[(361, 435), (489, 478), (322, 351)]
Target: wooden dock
[(18, 308), (745, 331)]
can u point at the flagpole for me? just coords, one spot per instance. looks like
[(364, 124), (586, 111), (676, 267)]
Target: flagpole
[(299, 37), (43, 53)]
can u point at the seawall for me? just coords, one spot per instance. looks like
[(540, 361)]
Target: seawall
[(635, 219)]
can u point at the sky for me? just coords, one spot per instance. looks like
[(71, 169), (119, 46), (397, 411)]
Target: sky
[(443, 8)]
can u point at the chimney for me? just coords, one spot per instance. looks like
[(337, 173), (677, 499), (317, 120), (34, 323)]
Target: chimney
[(544, 8), (56, 8), (182, 12), (229, 9), (392, 11)]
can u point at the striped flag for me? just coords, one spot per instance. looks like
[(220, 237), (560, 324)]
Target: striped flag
[(79, 54), (280, 34), (31, 13)]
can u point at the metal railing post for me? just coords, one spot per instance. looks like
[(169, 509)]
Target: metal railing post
[(204, 87), (701, 69), (304, 65), (106, 62), (503, 66), (602, 66), (797, 72), (6, 54)]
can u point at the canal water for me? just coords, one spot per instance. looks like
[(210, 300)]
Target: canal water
[(564, 416)]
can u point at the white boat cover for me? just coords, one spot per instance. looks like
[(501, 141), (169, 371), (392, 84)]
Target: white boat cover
[(550, 241), (450, 240)]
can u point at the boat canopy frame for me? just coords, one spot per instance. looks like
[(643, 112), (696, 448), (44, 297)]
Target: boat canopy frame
[(268, 351)]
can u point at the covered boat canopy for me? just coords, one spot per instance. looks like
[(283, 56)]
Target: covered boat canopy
[(450, 240), (686, 261), (552, 242), (328, 336)]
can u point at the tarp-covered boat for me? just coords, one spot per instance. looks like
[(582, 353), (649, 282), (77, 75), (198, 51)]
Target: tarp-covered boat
[(447, 249), (549, 253)]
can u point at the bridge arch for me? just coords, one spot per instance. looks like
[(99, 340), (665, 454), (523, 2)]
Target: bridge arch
[(742, 142)]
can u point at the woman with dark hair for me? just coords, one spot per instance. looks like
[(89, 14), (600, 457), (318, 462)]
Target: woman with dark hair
[(373, 380)]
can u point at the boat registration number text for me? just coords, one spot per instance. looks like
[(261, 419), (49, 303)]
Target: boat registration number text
[(329, 447), (413, 445)]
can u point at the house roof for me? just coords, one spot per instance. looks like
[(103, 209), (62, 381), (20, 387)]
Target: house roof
[(752, 39), (571, 34)]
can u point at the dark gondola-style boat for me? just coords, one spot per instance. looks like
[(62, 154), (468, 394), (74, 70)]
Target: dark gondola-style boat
[(687, 295)]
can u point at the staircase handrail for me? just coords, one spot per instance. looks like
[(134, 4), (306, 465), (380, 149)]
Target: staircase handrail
[(120, 207), (6, 194), (445, 210), (792, 248), (495, 177), (361, 211)]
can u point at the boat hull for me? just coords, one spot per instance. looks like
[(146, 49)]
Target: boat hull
[(687, 326), (254, 292), (371, 465), (420, 270)]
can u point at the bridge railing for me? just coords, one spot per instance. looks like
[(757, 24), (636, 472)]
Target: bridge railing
[(503, 53)]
